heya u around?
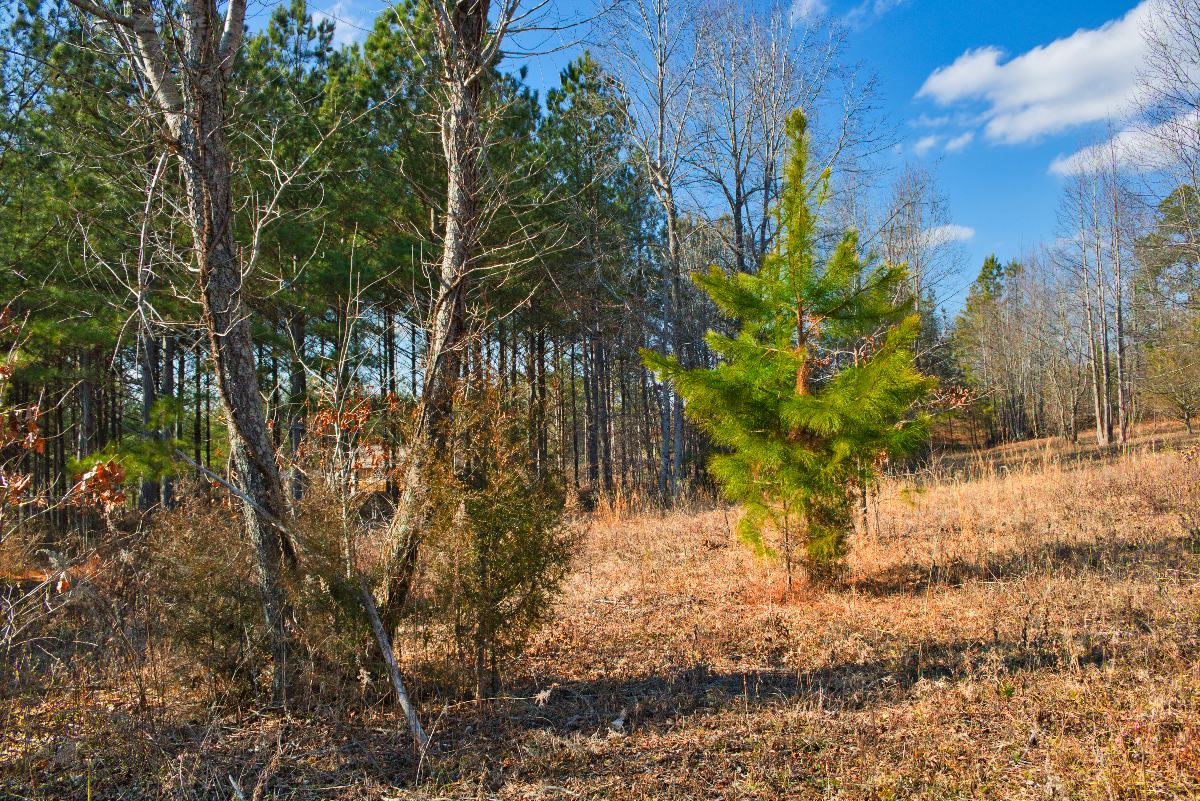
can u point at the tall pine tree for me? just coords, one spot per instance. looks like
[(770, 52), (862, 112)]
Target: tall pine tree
[(817, 386)]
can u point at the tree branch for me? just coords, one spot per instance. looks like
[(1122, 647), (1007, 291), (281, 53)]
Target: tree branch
[(102, 13), (231, 37)]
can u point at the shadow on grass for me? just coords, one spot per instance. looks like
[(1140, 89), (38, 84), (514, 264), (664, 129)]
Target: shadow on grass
[(302, 758), (310, 755), (1101, 558), (593, 707), (972, 463)]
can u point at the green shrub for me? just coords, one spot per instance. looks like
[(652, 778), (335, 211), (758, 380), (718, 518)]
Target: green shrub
[(499, 551)]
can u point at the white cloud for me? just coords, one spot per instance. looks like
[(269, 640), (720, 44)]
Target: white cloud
[(945, 234), (1088, 76), (959, 142), (807, 9), (1121, 148), (868, 11), (926, 143), (925, 121), (348, 28), (1135, 149)]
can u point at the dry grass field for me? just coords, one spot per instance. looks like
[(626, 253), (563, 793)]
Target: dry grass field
[(1029, 629)]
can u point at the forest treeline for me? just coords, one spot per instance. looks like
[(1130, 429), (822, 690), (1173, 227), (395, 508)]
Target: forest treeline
[(273, 263), (589, 214), (1091, 334)]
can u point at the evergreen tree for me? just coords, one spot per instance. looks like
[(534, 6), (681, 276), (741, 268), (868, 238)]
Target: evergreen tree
[(817, 385), (986, 358), (1169, 275)]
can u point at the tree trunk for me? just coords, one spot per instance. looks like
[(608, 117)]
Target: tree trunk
[(676, 323), (1122, 401), (1094, 359), (170, 432), (574, 424), (190, 97), (87, 416), (462, 38), (603, 428), (592, 414), (206, 166), (543, 429), (148, 494), (198, 411), (297, 402)]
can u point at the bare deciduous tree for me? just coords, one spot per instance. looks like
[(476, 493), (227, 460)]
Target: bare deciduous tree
[(1169, 102), (186, 80), (467, 45), (657, 61)]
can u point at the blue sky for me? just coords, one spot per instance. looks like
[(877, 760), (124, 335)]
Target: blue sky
[(996, 95), (992, 97)]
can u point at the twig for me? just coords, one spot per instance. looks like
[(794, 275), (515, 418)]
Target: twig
[(255, 505)]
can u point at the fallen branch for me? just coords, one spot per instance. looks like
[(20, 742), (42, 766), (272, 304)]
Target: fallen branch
[(385, 646)]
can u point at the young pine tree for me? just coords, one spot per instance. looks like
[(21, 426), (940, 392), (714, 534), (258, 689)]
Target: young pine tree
[(818, 384)]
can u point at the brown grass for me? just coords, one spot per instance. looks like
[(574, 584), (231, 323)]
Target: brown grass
[(1032, 633)]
